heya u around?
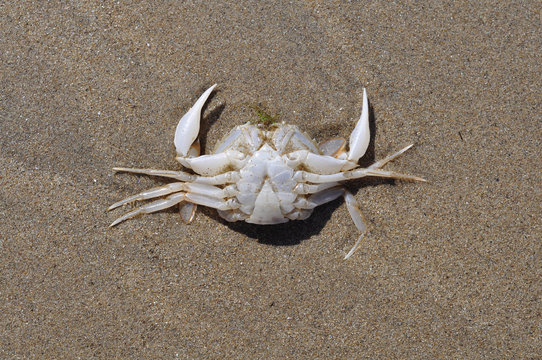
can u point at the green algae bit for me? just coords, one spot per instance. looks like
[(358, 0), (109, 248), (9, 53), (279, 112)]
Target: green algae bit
[(263, 117)]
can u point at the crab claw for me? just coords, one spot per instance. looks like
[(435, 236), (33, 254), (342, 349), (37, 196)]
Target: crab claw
[(359, 139), (188, 127)]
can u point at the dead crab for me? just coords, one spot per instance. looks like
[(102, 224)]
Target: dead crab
[(262, 173)]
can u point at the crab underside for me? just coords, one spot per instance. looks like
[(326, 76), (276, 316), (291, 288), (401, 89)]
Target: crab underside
[(262, 173)]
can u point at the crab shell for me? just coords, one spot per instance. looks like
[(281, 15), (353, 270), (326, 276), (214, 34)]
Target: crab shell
[(262, 174)]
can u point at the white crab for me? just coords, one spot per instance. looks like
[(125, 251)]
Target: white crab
[(262, 174)]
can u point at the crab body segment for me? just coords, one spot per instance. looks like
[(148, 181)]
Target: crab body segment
[(262, 174)]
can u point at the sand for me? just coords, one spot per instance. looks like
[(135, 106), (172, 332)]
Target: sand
[(448, 269)]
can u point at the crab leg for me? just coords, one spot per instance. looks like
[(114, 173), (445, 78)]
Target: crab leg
[(192, 188), (154, 206), (149, 194), (357, 218), (326, 164), (373, 170), (199, 199), (187, 211), (331, 194), (352, 174), (212, 202), (319, 164), (380, 164), (228, 177), (325, 196), (313, 188), (177, 175), (319, 198)]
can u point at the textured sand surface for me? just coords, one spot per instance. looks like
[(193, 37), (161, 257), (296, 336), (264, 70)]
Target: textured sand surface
[(448, 269)]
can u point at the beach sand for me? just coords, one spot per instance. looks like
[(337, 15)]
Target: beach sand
[(448, 269)]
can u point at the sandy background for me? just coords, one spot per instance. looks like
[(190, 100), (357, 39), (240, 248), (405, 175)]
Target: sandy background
[(449, 269)]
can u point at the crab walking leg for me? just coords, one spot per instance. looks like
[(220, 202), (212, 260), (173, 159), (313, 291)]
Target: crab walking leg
[(187, 211), (176, 198), (177, 175), (212, 202), (154, 206), (319, 198), (313, 188), (392, 175), (379, 164), (225, 178), (207, 190), (373, 170), (352, 174), (149, 194), (357, 218), (331, 194)]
